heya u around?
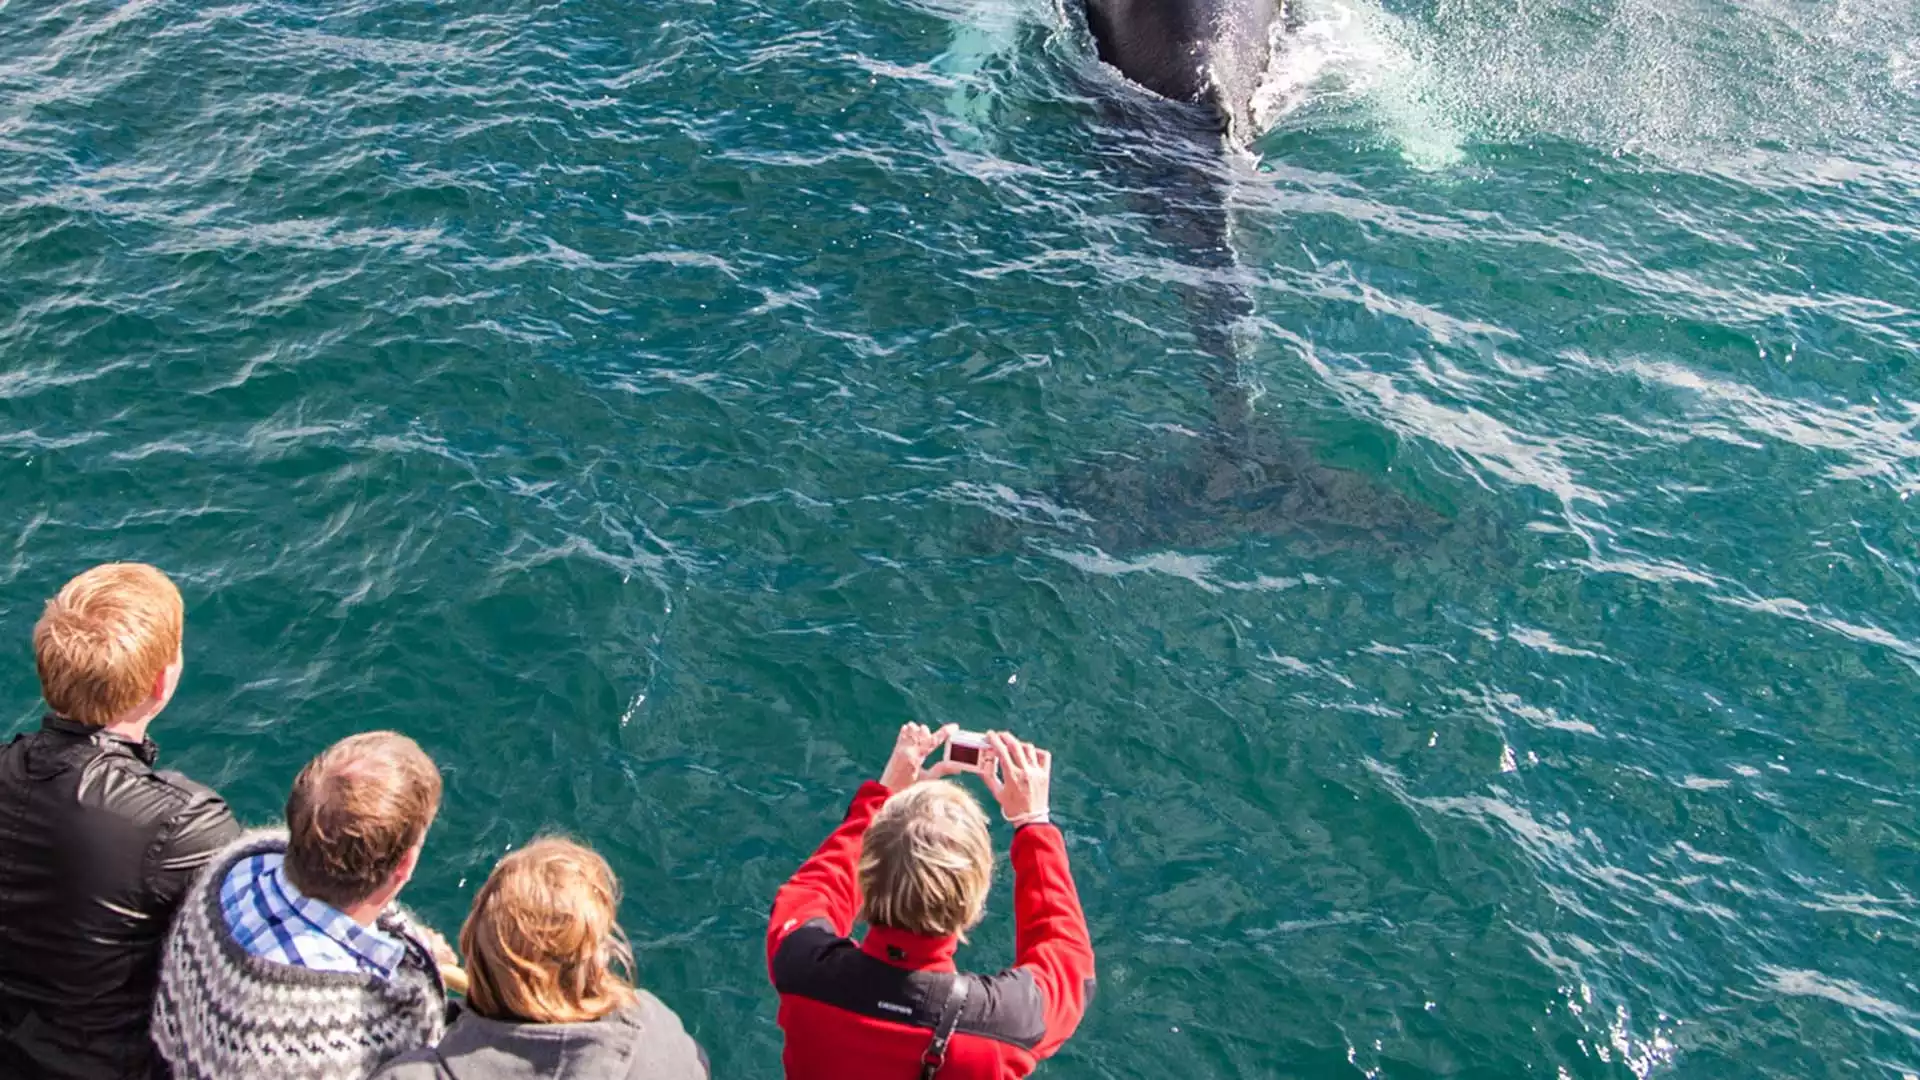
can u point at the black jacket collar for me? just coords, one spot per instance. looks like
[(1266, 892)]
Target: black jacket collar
[(146, 750)]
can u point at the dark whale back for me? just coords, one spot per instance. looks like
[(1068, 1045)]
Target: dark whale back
[(1200, 51), (1239, 476)]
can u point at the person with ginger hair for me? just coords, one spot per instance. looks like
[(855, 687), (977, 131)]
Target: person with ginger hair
[(97, 847), (550, 994)]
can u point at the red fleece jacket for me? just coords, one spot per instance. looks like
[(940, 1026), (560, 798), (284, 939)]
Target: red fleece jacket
[(866, 1010)]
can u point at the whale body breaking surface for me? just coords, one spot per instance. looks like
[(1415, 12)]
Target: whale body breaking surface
[(1205, 52)]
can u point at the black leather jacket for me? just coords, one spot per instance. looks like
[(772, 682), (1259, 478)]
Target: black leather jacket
[(96, 851)]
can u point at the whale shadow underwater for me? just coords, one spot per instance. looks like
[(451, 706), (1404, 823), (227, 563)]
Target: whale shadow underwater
[(1193, 67)]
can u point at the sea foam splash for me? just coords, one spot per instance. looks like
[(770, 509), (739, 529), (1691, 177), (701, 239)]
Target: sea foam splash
[(1355, 49), (1324, 49)]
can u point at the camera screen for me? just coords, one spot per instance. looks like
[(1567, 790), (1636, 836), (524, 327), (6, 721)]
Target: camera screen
[(965, 755)]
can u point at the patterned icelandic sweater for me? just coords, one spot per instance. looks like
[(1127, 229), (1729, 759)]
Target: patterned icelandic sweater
[(224, 1015)]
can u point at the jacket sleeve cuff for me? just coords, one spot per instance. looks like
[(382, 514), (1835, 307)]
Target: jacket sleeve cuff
[(1048, 826)]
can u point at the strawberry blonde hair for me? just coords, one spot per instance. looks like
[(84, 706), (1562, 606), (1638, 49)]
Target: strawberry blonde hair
[(105, 640), (542, 944), (926, 862)]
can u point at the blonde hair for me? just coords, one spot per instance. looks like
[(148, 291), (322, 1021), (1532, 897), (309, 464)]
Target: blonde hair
[(926, 862), (105, 640), (541, 942)]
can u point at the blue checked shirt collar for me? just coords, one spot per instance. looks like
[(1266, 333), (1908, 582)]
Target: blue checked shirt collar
[(270, 918)]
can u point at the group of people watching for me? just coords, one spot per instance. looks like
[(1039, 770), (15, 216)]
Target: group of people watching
[(144, 934)]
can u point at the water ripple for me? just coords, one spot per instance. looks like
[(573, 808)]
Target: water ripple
[(1477, 612)]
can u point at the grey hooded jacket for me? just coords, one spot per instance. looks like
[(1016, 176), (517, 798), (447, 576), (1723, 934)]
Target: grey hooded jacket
[(642, 1042)]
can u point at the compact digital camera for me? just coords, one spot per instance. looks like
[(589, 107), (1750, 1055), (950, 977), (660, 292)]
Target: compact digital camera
[(969, 750)]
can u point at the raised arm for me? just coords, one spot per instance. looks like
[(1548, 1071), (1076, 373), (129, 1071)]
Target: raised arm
[(825, 887), (1050, 935)]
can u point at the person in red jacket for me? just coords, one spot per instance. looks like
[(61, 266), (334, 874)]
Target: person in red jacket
[(913, 859)]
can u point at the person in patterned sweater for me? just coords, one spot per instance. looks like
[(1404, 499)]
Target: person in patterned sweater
[(290, 957)]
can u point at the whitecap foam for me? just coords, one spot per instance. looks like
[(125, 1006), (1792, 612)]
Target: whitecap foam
[(1357, 49), (1678, 81)]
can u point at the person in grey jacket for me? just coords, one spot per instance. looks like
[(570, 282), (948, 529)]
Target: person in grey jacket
[(550, 993)]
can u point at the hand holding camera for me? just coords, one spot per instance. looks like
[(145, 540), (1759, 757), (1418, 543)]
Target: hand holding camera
[(1019, 774), (910, 752), (1020, 777)]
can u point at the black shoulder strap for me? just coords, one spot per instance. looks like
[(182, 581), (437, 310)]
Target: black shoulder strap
[(936, 1054)]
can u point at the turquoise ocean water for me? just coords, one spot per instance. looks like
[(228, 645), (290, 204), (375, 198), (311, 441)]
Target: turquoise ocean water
[(650, 406)]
